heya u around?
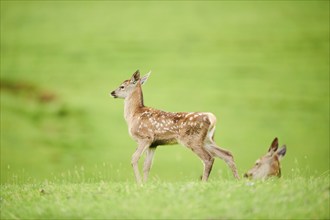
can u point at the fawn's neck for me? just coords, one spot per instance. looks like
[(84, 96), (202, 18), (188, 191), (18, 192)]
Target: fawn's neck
[(133, 103)]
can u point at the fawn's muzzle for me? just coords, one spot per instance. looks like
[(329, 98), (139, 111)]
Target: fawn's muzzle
[(113, 93)]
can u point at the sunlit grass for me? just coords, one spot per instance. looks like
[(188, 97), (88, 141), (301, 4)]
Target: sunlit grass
[(306, 198)]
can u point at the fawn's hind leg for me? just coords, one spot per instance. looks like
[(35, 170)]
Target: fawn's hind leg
[(203, 154), (207, 160), (217, 151), (224, 155)]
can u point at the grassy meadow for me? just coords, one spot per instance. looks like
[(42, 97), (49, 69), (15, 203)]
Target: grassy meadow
[(261, 67), (298, 198)]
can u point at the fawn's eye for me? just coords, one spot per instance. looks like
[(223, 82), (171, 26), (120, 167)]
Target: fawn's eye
[(121, 87)]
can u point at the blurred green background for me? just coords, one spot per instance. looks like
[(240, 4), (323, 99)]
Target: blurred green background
[(261, 67)]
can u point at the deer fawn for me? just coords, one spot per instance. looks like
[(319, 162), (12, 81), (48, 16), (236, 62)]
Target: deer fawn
[(151, 127), (269, 164)]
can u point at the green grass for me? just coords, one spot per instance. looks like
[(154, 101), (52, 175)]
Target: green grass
[(296, 198), (261, 67)]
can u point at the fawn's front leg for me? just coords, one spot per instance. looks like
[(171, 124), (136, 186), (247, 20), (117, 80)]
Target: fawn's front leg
[(148, 162), (135, 159)]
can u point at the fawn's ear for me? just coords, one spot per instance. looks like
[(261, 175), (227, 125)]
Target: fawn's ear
[(145, 78), (273, 146), (135, 77), (281, 152)]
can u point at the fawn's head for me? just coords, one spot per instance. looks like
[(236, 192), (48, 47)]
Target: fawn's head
[(128, 86), (269, 164)]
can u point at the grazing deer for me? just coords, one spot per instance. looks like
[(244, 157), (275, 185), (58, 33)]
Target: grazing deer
[(269, 164), (151, 127)]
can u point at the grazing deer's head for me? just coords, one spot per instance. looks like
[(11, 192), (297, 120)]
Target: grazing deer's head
[(269, 164)]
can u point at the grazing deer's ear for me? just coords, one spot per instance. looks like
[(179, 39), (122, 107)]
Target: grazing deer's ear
[(274, 146), (281, 152), (145, 78), (135, 77)]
